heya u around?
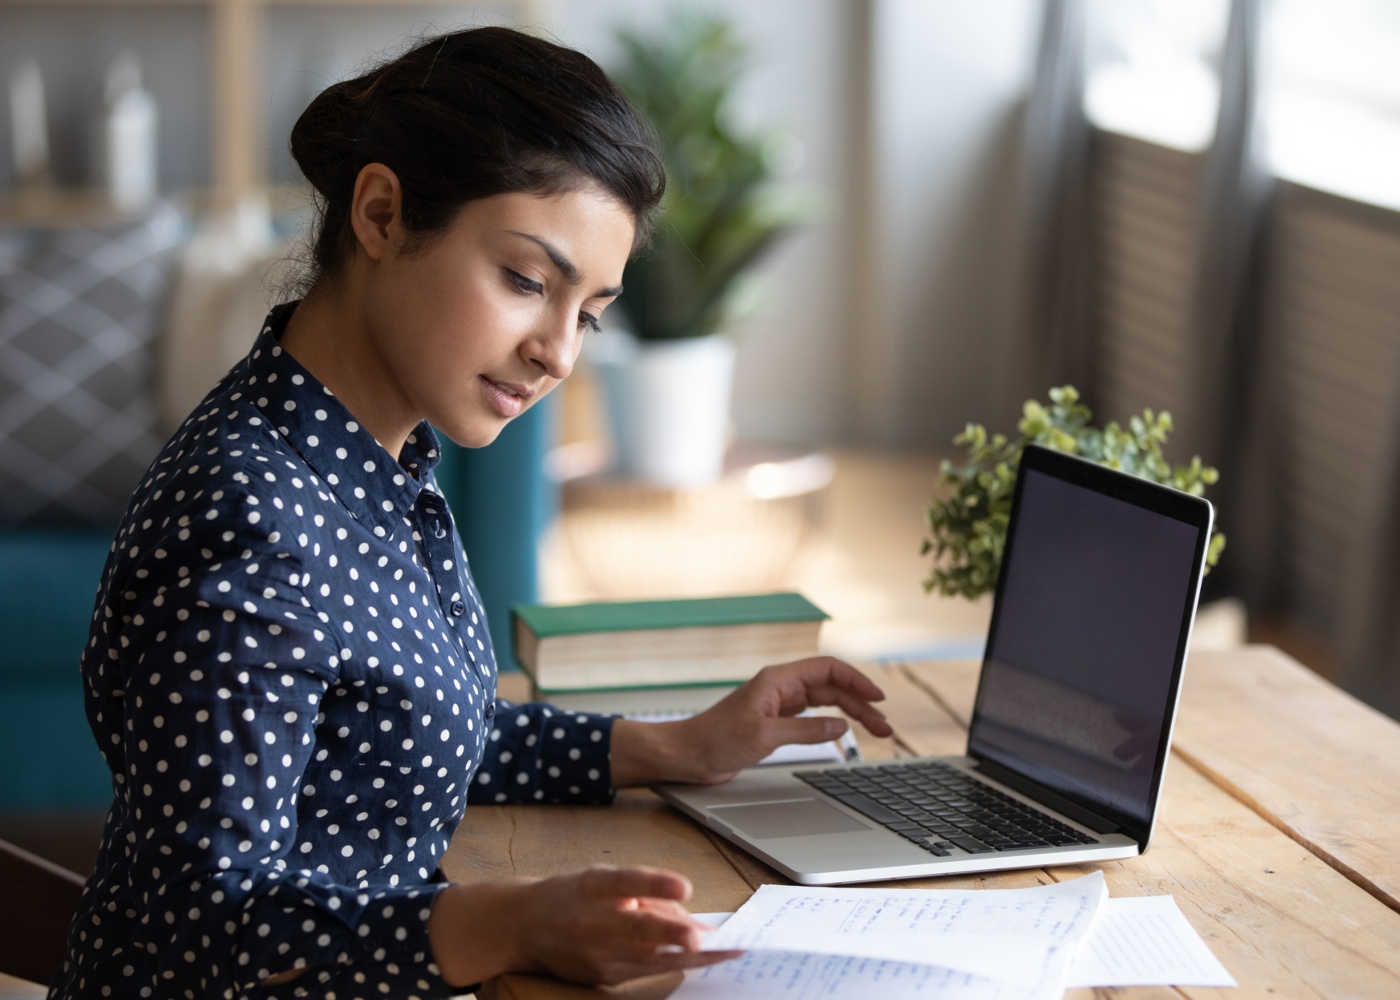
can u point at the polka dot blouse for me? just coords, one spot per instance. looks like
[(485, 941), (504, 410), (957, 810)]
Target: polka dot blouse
[(291, 680)]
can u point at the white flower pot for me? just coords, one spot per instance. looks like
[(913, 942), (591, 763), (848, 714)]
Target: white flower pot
[(667, 404)]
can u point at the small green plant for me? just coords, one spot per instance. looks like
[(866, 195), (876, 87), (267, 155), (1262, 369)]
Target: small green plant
[(968, 526), (723, 208)]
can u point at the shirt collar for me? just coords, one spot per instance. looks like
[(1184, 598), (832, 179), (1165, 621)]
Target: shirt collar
[(376, 489)]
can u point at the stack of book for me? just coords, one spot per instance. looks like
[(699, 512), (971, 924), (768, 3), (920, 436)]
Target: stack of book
[(658, 658)]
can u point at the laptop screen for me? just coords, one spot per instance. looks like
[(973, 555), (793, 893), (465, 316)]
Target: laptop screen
[(1096, 596)]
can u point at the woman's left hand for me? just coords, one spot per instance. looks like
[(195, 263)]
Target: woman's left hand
[(749, 724)]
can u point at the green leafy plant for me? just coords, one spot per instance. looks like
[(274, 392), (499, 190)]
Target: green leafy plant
[(722, 208), (968, 526)]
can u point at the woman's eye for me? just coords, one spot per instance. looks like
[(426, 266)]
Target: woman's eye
[(589, 320), (523, 283)]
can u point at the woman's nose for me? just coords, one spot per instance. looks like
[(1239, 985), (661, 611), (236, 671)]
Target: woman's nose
[(556, 347)]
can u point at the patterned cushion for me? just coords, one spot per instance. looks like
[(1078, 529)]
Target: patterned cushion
[(80, 313)]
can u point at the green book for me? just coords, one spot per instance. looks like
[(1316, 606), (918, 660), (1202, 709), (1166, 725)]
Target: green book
[(635, 644), (631, 616), (667, 699)]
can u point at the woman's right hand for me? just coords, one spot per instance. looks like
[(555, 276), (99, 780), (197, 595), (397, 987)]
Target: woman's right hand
[(603, 925)]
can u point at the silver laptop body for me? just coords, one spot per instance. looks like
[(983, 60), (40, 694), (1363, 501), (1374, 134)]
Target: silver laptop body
[(1076, 701)]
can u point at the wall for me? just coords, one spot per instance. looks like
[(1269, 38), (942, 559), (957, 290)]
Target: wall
[(878, 321), (949, 83), (878, 329), (309, 47)]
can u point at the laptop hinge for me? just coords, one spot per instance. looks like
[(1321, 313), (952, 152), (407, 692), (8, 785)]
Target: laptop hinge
[(1045, 796)]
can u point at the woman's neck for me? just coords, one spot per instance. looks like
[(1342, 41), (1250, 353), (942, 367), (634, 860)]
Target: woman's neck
[(329, 335)]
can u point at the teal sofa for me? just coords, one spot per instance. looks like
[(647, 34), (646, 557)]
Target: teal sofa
[(48, 579)]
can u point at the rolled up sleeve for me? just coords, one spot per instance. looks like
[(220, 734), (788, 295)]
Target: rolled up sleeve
[(538, 753)]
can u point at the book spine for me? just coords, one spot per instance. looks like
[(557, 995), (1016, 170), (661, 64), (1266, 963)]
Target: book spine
[(684, 686)]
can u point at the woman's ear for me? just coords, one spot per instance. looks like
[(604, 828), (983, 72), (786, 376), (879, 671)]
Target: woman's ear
[(376, 210)]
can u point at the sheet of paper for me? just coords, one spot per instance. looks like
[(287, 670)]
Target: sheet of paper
[(1145, 941), (785, 975), (1024, 936), (838, 751), (1134, 941)]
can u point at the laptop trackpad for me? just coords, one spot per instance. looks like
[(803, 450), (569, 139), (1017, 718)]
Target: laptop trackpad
[(797, 818)]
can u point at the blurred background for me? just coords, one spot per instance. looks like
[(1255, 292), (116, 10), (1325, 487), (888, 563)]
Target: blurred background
[(888, 219)]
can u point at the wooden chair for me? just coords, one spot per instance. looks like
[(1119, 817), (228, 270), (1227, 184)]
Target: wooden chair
[(37, 903)]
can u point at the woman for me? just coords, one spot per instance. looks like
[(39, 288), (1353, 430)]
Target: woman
[(289, 671)]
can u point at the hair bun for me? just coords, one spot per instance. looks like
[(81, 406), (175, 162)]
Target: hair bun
[(323, 137), (470, 115)]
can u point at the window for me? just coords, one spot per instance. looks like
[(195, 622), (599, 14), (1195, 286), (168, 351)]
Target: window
[(1331, 96), (1152, 69)]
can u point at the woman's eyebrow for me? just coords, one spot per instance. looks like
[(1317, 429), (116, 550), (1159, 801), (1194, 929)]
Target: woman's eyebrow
[(565, 266)]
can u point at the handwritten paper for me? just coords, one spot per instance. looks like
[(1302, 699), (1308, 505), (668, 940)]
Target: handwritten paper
[(1137, 941), (1145, 941), (1024, 936), (786, 975)]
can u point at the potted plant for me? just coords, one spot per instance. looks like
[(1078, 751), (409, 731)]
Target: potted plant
[(968, 526), (667, 380)]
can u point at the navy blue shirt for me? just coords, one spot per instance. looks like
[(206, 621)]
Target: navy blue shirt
[(291, 680)]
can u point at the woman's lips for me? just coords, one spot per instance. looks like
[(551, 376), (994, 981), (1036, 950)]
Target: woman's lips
[(506, 398)]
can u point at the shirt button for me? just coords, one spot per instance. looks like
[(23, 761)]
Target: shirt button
[(458, 609), (490, 709)]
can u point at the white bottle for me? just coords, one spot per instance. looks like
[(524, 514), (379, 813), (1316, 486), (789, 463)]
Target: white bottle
[(29, 129), (128, 139)]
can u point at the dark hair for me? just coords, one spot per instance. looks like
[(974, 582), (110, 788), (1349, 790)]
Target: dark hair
[(469, 115)]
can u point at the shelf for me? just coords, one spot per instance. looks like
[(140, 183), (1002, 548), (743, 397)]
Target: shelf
[(237, 30), (261, 3)]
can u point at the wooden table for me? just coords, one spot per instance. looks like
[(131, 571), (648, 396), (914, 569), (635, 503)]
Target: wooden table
[(1278, 834)]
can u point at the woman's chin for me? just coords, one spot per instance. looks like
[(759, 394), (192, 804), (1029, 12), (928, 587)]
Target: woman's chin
[(476, 432), (482, 421)]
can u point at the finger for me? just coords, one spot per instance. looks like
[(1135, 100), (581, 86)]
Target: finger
[(606, 882), (848, 678), (863, 712), (695, 959), (674, 912), (809, 729), (819, 681), (665, 908), (819, 671), (634, 941), (872, 719), (652, 929), (652, 965)]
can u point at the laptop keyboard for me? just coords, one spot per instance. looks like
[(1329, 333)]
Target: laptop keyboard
[(939, 808)]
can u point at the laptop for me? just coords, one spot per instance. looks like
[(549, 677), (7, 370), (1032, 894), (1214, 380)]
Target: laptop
[(1073, 719)]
